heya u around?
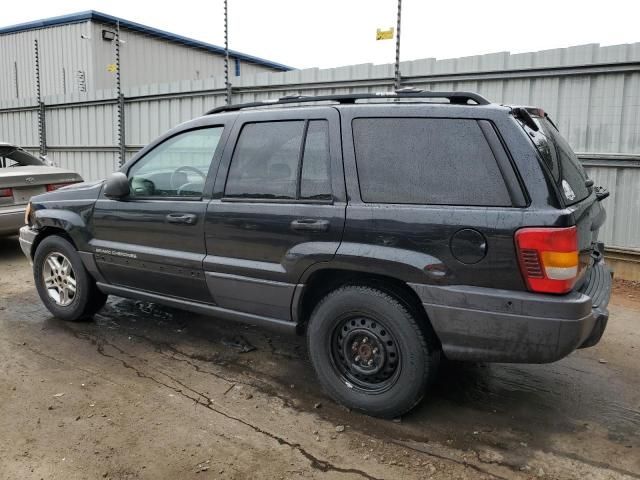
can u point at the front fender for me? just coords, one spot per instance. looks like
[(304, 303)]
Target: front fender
[(70, 221)]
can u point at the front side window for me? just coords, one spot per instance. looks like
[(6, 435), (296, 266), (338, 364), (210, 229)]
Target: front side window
[(286, 160), (428, 161), (177, 167)]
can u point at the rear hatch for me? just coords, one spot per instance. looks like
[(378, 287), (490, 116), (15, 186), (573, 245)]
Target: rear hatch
[(574, 187)]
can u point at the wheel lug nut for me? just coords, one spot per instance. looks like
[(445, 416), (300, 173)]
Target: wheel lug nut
[(357, 359), (370, 362), (364, 340), (375, 351)]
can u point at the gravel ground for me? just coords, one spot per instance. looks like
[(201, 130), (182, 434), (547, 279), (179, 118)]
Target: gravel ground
[(147, 392)]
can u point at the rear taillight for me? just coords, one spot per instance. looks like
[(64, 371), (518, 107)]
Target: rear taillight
[(6, 192), (548, 258), (55, 186)]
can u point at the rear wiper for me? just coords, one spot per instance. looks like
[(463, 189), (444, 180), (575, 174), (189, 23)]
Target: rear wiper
[(551, 122), (526, 118)]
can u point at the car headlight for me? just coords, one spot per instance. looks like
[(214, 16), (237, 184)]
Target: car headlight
[(27, 214)]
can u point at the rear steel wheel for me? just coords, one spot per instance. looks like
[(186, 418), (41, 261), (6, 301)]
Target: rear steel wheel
[(370, 352), (365, 354)]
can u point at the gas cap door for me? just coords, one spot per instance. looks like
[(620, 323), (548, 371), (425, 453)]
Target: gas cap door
[(468, 246)]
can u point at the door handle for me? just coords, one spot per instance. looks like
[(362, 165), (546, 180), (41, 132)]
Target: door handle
[(310, 224), (184, 218)]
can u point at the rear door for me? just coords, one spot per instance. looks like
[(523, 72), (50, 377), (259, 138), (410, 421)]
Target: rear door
[(278, 208), (153, 240)]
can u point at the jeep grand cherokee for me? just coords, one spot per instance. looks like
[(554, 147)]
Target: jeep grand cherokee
[(390, 229)]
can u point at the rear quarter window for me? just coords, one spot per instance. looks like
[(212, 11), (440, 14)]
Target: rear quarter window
[(563, 164), (430, 161)]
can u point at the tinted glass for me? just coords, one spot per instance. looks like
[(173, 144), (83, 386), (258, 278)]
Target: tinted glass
[(563, 163), (316, 178), (176, 167), (426, 161), (265, 161)]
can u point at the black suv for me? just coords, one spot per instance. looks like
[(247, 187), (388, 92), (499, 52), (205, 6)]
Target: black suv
[(392, 229)]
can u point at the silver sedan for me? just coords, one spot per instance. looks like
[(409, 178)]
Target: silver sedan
[(22, 176)]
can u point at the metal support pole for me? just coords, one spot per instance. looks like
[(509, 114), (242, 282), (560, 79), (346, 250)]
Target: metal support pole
[(121, 127), (226, 55), (42, 131), (398, 80), (42, 128), (120, 114)]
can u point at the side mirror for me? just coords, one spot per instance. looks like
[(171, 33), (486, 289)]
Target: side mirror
[(117, 186)]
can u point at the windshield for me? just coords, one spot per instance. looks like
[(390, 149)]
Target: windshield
[(11, 156), (563, 163)]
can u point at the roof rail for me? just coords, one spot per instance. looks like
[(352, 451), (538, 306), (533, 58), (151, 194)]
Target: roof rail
[(457, 98)]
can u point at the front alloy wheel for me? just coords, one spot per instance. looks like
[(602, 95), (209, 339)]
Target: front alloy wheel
[(63, 283), (59, 279)]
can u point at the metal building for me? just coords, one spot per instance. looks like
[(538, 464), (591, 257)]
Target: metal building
[(77, 54)]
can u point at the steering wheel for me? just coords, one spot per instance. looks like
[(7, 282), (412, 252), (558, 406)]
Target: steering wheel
[(185, 169)]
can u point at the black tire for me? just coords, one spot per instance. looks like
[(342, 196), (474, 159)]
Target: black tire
[(86, 300), (387, 385)]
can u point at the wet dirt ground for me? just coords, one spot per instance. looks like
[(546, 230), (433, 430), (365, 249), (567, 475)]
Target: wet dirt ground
[(150, 392)]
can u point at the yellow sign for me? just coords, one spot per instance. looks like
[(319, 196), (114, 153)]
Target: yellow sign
[(112, 67), (384, 34)]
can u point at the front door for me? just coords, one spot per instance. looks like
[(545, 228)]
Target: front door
[(278, 208), (153, 240)]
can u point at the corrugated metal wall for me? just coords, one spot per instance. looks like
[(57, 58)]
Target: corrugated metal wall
[(622, 228), (592, 92), (19, 126)]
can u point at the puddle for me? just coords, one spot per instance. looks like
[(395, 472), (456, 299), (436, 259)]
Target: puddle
[(531, 401)]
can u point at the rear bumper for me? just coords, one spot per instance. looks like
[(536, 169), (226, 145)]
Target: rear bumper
[(11, 219), (484, 324)]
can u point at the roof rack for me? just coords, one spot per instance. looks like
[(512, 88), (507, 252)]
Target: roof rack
[(457, 98)]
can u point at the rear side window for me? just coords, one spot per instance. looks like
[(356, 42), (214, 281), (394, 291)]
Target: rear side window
[(430, 161), (563, 163), (287, 160)]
